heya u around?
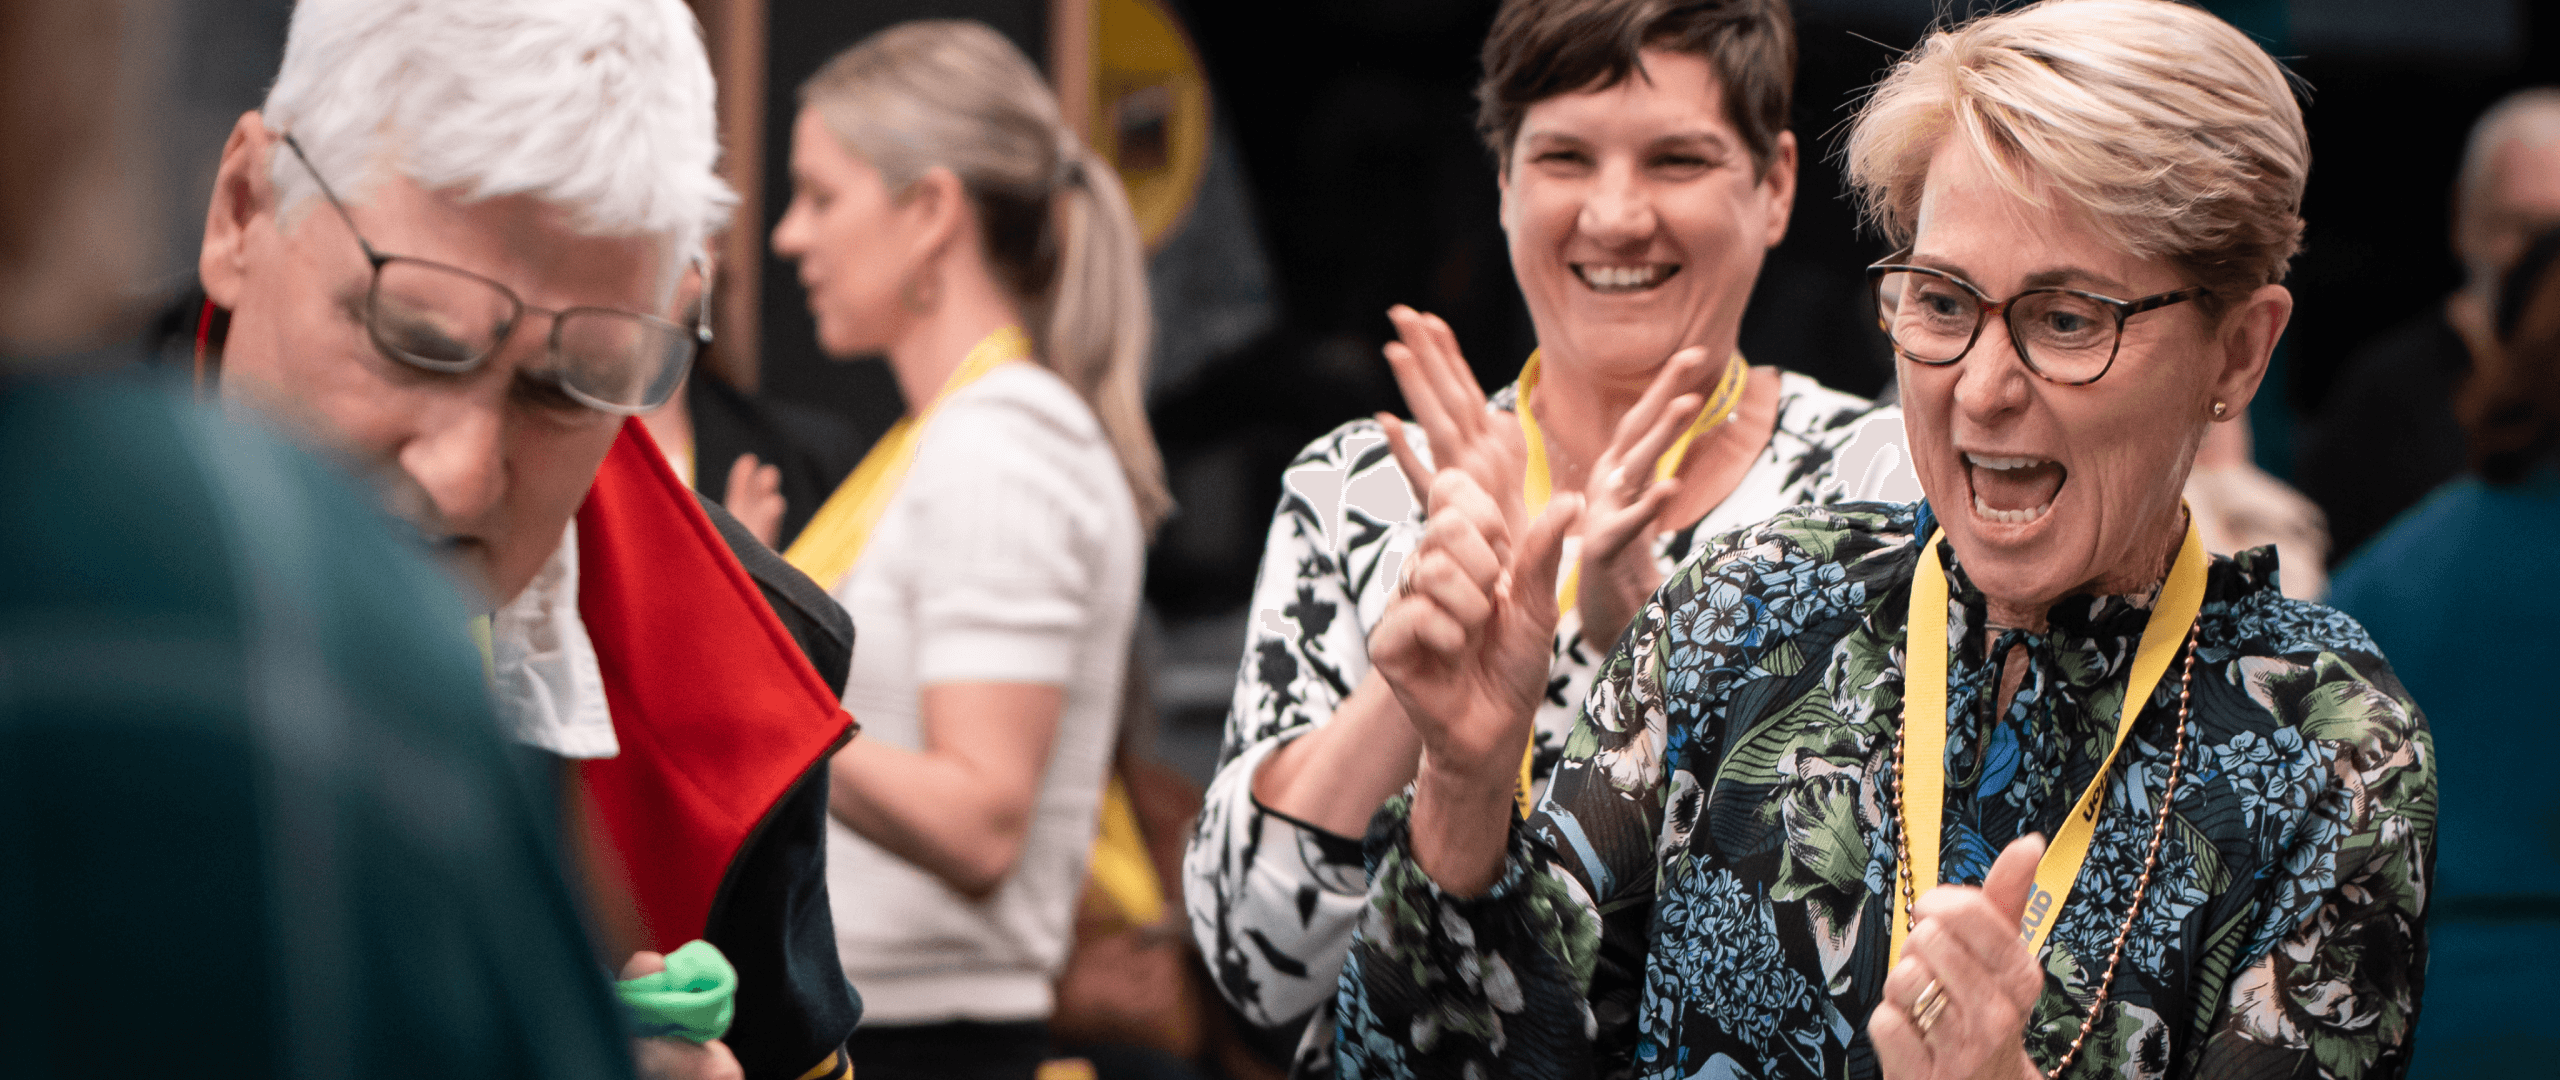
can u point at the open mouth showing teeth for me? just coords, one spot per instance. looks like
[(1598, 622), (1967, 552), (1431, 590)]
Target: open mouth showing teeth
[(2013, 490), (1624, 279)]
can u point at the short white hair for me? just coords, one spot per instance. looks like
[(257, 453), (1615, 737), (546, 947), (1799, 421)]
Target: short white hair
[(603, 108)]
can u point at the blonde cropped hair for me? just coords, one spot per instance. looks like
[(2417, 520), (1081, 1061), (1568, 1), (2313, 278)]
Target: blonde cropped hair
[(1055, 223), (2176, 134)]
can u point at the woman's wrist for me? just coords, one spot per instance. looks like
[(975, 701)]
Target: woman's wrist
[(1336, 776), (1461, 825)]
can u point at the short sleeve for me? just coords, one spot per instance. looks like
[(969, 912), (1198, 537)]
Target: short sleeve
[(1014, 507)]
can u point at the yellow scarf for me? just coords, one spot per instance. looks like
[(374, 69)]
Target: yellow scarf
[(1120, 865), (1537, 485), (833, 541)]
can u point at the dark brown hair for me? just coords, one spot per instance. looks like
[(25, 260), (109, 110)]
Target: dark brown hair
[(1539, 49)]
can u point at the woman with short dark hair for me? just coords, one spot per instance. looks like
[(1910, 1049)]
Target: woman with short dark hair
[(1645, 168)]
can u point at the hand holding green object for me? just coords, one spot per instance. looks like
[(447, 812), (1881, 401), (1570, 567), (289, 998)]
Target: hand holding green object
[(692, 998)]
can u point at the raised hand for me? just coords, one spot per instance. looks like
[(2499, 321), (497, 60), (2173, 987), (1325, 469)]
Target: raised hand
[(1465, 647), (755, 497), (1623, 500), (1966, 941), (1449, 404)]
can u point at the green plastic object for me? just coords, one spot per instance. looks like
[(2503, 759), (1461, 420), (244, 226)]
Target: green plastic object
[(693, 999)]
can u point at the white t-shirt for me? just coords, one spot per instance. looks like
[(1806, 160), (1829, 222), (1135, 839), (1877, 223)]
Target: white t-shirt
[(1012, 553)]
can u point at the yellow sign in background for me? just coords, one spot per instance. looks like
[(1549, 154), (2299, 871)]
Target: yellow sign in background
[(1150, 111)]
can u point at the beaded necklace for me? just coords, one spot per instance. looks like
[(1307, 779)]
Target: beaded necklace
[(2150, 858)]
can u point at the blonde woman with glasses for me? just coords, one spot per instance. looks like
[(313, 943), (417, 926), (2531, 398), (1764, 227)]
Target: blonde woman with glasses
[(2017, 781)]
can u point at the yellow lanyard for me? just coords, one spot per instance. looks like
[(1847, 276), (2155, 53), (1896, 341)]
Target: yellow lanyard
[(833, 541), (1924, 734), (1537, 484)]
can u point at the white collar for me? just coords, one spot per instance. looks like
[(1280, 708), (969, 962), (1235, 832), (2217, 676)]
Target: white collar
[(548, 684)]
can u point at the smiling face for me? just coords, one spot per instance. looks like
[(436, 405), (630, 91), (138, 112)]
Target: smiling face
[(2048, 490), (1637, 220), (489, 465), (856, 242)]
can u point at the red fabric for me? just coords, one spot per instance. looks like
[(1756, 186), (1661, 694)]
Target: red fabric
[(716, 710)]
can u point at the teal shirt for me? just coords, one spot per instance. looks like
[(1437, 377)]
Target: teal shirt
[(256, 817), (2460, 592)]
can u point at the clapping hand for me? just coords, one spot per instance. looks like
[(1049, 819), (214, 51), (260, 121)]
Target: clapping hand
[(1465, 646), (1623, 500), (1965, 949), (1617, 571), (1449, 404)]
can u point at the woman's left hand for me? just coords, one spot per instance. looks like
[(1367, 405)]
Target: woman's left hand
[(1965, 943), (1442, 392), (1622, 499)]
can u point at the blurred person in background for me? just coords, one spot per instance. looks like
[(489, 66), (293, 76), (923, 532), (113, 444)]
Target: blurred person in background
[(1645, 169), (768, 462), (990, 545), (2239, 506), (455, 248), (2460, 591), (260, 818), (2387, 434), (1800, 831)]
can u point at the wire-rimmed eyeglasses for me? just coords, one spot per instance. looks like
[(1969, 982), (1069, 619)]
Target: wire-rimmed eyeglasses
[(449, 320), (2067, 336)]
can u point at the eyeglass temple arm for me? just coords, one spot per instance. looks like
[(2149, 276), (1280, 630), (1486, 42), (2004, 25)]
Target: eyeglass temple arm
[(335, 203), (2165, 299), (702, 313)]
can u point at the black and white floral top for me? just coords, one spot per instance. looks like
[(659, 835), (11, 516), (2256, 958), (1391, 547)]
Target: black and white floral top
[(1272, 900), (1706, 889)]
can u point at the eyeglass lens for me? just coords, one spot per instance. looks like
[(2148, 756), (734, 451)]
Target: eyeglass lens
[(1932, 319), (620, 359), (438, 318), (447, 320)]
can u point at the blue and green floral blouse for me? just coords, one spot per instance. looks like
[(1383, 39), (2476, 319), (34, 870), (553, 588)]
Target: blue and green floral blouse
[(1703, 892)]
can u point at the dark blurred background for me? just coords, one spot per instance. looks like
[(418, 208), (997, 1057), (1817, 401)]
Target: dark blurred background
[(1345, 176)]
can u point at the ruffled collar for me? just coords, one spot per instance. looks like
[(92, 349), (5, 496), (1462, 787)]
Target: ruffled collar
[(2108, 617), (544, 673)]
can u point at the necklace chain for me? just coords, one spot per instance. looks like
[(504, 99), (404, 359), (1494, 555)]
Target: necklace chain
[(2150, 858)]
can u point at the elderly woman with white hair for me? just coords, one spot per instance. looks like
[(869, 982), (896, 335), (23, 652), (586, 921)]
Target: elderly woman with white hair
[(2016, 781)]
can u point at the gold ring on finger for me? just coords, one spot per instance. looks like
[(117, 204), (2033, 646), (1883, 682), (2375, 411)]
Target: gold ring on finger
[(1928, 1007)]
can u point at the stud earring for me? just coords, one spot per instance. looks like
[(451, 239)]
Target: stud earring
[(2219, 409)]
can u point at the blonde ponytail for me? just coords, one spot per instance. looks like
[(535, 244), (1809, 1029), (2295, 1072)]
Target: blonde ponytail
[(1100, 323), (1056, 223)]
